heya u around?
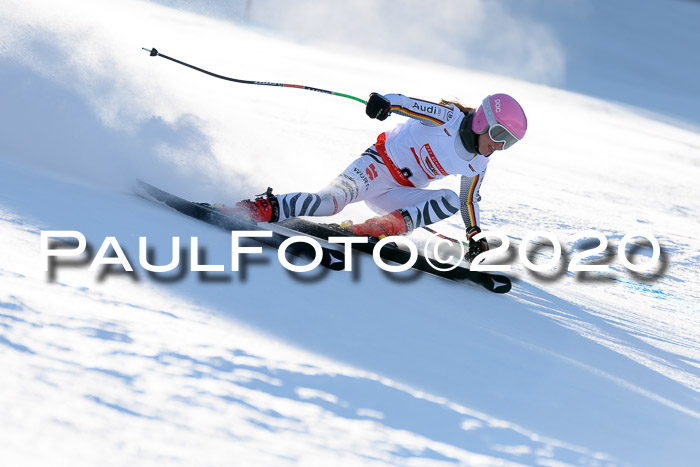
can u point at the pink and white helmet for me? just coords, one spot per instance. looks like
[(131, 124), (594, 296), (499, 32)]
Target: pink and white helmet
[(502, 117)]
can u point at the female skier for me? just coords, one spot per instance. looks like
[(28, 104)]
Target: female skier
[(440, 140)]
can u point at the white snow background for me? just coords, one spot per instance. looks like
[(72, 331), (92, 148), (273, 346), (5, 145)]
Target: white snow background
[(266, 367)]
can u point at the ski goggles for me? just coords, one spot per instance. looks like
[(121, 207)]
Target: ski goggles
[(497, 132)]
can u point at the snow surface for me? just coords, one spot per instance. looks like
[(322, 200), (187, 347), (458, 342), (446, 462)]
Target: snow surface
[(265, 367)]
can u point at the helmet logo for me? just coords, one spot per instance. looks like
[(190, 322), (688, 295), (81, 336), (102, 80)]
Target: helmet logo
[(504, 111)]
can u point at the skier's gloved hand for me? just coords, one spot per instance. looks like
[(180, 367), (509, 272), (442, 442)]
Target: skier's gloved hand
[(476, 247), (378, 106)]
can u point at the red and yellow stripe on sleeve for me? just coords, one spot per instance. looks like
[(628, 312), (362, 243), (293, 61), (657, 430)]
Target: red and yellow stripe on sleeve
[(403, 111), (470, 200)]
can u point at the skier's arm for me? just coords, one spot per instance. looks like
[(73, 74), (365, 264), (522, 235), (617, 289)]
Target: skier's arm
[(428, 113), (469, 199), (469, 206)]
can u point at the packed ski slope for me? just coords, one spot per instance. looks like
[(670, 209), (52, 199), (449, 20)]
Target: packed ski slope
[(265, 367)]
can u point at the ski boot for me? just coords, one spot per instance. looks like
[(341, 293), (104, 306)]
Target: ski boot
[(265, 208), (394, 223)]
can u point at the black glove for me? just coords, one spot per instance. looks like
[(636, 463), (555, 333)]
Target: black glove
[(378, 106), (476, 247)]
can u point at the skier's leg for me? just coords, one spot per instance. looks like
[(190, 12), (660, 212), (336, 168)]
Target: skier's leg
[(408, 209), (364, 178), (424, 207)]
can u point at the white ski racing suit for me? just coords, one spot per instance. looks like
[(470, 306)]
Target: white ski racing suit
[(392, 173)]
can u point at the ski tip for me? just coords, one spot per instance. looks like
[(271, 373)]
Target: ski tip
[(500, 284), (333, 260), (140, 185), (144, 189)]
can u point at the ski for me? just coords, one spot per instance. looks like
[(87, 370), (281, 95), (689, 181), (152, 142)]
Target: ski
[(333, 256), (496, 283)]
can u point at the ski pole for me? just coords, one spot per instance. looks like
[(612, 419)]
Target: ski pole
[(445, 237), (155, 53)]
